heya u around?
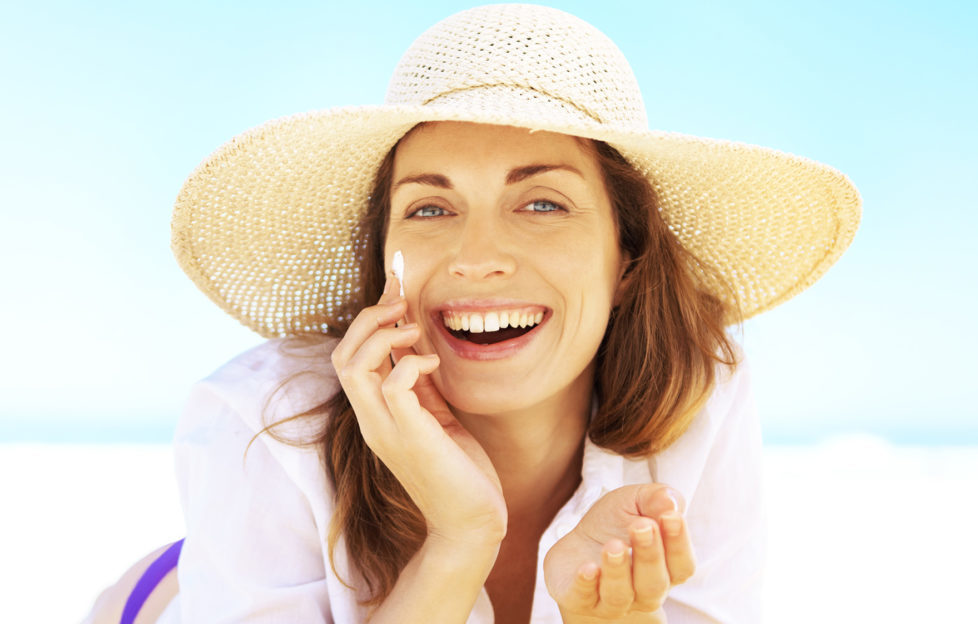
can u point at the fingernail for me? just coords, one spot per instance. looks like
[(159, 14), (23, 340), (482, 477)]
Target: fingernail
[(387, 285), (589, 573), (672, 495), (644, 536), (616, 557), (671, 524)]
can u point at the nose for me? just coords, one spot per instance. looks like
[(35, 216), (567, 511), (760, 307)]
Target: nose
[(481, 252)]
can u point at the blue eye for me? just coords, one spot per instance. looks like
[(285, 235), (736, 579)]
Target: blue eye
[(543, 206), (429, 211)]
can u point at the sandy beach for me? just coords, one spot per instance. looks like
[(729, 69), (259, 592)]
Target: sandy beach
[(860, 530)]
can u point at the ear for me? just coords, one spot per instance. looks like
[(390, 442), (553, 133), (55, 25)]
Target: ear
[(625, 279)]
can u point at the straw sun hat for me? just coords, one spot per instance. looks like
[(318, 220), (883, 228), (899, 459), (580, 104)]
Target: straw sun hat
[(263, 225)]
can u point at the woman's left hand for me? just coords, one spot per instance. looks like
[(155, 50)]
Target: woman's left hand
[(620, 561)]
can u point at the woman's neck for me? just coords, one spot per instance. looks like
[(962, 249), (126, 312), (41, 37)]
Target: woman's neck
[(537, 452)]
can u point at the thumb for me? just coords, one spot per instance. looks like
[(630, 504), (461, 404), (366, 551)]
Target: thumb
[(654, 499)]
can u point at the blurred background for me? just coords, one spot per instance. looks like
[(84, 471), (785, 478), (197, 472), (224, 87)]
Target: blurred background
[(865, 382)]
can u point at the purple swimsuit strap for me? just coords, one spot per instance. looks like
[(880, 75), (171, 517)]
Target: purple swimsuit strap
[(160, 567)]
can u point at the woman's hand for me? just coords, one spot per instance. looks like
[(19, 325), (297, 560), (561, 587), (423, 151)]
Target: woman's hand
[(407, 424), (593, 576)]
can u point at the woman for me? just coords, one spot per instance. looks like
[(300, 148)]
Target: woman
[(543, 416)]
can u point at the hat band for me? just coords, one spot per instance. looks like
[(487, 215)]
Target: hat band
[(532, 95)]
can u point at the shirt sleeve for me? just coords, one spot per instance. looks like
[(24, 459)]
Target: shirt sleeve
[(253, 551), (718, 466)]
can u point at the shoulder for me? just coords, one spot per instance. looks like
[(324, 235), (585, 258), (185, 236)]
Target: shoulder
[(227, 415), (222, 445), (271, 382), (728, 419), (256, 506), (730, 394), (717, 464)]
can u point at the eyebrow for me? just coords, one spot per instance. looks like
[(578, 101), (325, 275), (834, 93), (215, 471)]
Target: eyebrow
[(515, 175), (521, 173), (431, 179)]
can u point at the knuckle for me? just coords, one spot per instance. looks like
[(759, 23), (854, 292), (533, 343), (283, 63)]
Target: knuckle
[(580, 601), (655, 586), (345, 374), (389, 385), (612, 611), (618, 601), (394, 382), (648, 605), (650, 555), (682, 575), (583, 597), (336, 356)]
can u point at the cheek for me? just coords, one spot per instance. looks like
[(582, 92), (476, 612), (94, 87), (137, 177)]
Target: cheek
[(590, 267), (588, 290), (597, 283)]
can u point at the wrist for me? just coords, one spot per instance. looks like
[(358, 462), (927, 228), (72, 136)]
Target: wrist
[(487, 536), (419, 595), (472, 552)]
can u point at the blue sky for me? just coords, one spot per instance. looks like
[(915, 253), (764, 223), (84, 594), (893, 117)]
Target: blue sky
[(108, 106)]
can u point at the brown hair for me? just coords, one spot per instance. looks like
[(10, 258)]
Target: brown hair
[(655, 367)]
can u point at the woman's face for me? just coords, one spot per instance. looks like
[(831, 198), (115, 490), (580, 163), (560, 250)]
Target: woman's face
[(500, 226)]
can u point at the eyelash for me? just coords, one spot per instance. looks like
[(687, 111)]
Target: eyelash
[(415, 213), (556, 208)]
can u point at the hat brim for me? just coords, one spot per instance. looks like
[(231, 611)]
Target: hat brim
[(263, 225)]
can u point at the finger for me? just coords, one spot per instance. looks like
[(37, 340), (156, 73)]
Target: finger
[(583, 594), (680, 559), (393, 292), (655, 499), (650, 576), (397, 354), (357, 375), (397, 388), (615, 588), (366, 323), (361, 379)]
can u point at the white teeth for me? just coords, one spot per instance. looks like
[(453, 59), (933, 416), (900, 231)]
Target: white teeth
[(477, 323), (492, 322)]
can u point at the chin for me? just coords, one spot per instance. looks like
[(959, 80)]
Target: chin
[(485, 398)]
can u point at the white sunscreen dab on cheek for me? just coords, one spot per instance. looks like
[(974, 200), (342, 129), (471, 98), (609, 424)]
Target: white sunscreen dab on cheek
[(398, 266)]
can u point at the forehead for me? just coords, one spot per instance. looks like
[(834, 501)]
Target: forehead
[(444, 146)]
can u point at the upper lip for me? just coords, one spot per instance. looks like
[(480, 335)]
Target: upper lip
[(485, 305)]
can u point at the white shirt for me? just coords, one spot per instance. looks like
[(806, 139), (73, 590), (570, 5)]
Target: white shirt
[(257, 517)]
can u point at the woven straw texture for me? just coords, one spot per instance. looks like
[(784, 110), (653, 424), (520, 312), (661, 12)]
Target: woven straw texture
[(263, 225)]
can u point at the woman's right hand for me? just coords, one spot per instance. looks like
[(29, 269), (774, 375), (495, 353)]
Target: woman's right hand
[(407, 424)]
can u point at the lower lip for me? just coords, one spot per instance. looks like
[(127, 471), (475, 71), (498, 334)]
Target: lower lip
[(494, 351)]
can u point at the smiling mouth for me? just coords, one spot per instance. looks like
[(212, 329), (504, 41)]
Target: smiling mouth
[(491, 337), (491, 327)]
